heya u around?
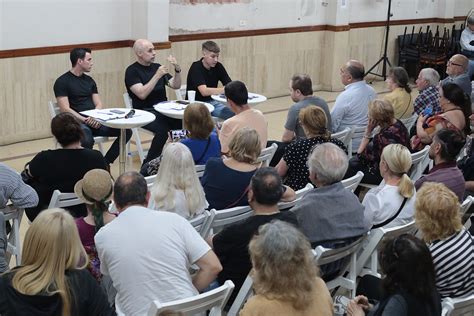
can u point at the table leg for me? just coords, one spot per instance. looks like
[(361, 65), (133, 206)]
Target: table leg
[(122, 156)]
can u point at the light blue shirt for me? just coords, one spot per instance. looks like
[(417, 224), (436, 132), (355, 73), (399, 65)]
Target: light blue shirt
[(352, 107)]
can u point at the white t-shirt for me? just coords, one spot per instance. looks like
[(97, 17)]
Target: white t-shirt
[(147, 254), (383, 202)]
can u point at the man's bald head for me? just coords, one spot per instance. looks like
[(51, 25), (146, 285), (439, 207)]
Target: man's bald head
[(457, 65), (140, 45), (145, 51)]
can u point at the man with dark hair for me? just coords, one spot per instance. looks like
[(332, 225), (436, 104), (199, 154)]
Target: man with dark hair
[(231, 244), (444, 149), (76, 92), (145, 81), (237, 94), (204, 76), (147, 253), (352, 105)]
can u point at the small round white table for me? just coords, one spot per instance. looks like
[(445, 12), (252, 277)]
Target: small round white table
[(107, 118), (176, 110), (253, 99)]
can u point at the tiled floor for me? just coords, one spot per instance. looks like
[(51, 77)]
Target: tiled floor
[(275, 110)]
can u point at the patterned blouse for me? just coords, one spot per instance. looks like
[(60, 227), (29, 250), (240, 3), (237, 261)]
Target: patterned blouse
[(431, 126), (296, 155), (396, 133)]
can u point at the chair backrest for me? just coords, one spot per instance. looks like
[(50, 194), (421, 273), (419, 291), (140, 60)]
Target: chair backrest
[(150, 180), (326, 255), (299, 195), (345, 136), (10, 213), (53, 108), (420, 161), (244, 294), (357, 133), (458, 306), (466, 204), (200, 170), (202, 223), (353, 182), (181, 92), (229, 216), (409, 121), (63, 200), (213, 301), (127, 101), (267, 154)]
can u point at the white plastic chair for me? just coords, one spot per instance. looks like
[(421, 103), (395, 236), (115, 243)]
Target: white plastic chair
[(99, 140), (409, 121), (267, 154), (63, 200), (200, 170), (458, 306), (244, 294), (353, 182), (370, 252), (299, 194), (14, 244), (357, 133), (226, 217), (324, 256), (466, 204), (213, 301), (181, 92), (150, 180), (345, 136), (202, 223), (420, 160)]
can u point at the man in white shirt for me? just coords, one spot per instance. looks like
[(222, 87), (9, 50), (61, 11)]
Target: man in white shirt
[(352, 105), (148, 253)]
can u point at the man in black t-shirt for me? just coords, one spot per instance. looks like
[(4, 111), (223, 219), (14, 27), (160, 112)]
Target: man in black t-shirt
[(231, 244), (145, 82), (205, 74), (76, 92)]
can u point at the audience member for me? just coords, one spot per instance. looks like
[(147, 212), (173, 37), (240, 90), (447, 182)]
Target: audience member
[(152, 262), (301, 92), (293, 164), (392, 131), (428, 97), (226, 181), (444, 149), (76, 92), (400, 93), (285, 278), (51, 279), (204, 76), (456, 70), (455, 112), (329, 212), (391, 204), (237, 96), (60, 169), (13, 189), (408, 287), (467, 39), (95, 190), (145, 81), (451, 245), (231, 244), (3, 245), (177, 188), (352, 105)]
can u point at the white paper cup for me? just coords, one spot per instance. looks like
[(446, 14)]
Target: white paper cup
[(191, 95)]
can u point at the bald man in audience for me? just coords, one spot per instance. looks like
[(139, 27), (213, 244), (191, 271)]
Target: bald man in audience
[(352, 105), (456, 70), (237, 98), (145, 81)]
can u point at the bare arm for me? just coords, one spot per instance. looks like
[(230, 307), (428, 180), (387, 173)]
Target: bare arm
[(63, 103), (287, 136), (282, 168), (366, 139), (209, 268), (469, 185), (97, 102), (142, 91), (420, 131), (205, 91)]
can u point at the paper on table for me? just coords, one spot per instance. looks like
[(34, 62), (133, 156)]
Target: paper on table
[(171, 106), (103, 115)]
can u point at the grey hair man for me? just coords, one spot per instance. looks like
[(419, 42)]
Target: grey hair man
[(467, 39), (329, 212), (352, 105), (152, 262), (456, 70), (427, 84)]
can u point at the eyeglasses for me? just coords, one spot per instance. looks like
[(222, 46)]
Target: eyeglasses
[(451, 63)]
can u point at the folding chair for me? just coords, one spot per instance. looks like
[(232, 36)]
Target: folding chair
[(200, 170), (409, 121), (202, 223), (267, 154), (353, 182), (63, 200), (150, 180), (466, 204), (357, 133), (419, 162), (14, 244), (458, 306), (324, 256), (226, 217), (345, 136), (213, 301), (181, 92), (244, 294), (299, 194)]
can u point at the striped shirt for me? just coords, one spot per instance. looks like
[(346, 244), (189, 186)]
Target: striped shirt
[(453, 260), (14, 189)]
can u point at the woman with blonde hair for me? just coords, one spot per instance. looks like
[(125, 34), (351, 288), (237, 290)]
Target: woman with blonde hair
[(177, 188), (392, 203), (226, 181), (293, 164), (451, 245), (52, 279), (285, 278), (391, 131)]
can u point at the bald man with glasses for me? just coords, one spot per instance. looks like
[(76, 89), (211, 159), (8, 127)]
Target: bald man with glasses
[(456, 70)]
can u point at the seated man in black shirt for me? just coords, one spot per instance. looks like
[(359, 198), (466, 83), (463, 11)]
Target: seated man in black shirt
[(231, 244), (145, 82), (76, 92), (203, 77)]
